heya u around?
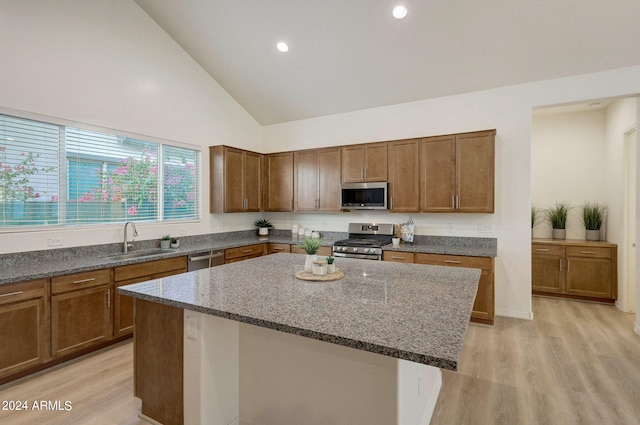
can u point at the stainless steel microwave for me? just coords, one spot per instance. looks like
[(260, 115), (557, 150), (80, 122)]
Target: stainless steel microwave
[(364, 196)]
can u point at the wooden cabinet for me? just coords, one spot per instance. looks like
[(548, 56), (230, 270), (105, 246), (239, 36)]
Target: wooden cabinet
[(134, 273), (279, 182), (317, 180), (81, 308), (404, 176), (457, 173), (241, 253), (324, 251), (274, 248), (235, 180), (398, 256), (364, 163), (483, 306), (575, 269), (25, 326)]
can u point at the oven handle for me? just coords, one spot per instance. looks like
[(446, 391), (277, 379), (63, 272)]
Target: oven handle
[(363, 256)]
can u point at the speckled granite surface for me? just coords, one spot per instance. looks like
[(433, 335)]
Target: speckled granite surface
[(23, 266), (409, 311)]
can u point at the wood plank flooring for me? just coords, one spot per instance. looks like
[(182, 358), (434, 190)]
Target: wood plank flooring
[(576, 363)]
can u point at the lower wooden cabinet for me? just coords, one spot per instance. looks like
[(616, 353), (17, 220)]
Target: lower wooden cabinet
[(81, 310), (575, 269), (241, 253), (24, 333), (324, 251), (274, 248), (483, 307)]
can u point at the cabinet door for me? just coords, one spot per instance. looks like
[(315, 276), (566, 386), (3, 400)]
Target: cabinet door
[(397, 256), (404, 190), (352, 163), (305, 181), (274, 248), (253, 181), (80, 319), (547, 268), (437, 174), (328, 161), (375, 162), (475, 172), (589, 277), (280, 182), (233, 180), (24, 330)]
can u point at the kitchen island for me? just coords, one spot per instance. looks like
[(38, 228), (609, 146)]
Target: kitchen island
[(262, 347)]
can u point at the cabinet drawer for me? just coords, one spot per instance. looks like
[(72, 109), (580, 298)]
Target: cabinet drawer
[(547, 249), (588, 251), (151, 268), (244, 251), (324, 251), (23, 291), (399, 257), (279, 247), (455, 261), (72, 282)]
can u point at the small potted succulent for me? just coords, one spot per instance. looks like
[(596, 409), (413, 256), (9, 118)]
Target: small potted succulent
[(263, 226), (175, 242), (311, 247), (593, 216), (331, 268), (165, 242), (557, 216)]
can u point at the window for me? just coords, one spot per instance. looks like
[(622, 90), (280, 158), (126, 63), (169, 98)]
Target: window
[(103, 178)]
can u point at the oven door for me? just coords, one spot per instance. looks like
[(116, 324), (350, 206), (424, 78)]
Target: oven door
[(353, 255)]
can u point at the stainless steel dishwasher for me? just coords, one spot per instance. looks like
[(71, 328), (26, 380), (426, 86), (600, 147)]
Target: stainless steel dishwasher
[(203, 260)]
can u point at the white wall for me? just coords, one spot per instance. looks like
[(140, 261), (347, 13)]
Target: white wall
[(509, 111), (568, 164), (107, 64)]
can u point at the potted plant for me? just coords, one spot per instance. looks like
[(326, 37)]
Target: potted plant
[(557, 216), (331, 268), (165, 242), (263, 226), (175, 242), (593, 216), (311, 247)]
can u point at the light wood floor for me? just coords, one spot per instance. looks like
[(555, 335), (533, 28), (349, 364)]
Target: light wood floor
[(576, 363)]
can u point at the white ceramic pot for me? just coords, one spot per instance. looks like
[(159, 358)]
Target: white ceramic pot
[(263, 231), (331, 268), (308, 263), (165, 244), (559, 233), (592, 235)]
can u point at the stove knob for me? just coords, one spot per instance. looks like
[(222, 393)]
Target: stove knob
[(366, 250), (355, 250)]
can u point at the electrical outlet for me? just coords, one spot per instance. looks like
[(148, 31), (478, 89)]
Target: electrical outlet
[(485, 228), (54, 242), (182, 232), (192, 328), (450, 227)]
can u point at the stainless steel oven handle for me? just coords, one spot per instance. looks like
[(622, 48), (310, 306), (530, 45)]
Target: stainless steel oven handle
[(363, 256), (206, 257)]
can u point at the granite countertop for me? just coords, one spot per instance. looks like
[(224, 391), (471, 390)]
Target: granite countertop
[(408, 311), (24, 266)]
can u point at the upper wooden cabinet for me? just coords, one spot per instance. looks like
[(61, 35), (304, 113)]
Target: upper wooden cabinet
[(279, 190), (457, 173), (364, 163), (317, 180), (404, 193), (235, 180)]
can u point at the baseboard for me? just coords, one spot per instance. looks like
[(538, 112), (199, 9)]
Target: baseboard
[(515, 314), (148, 419)]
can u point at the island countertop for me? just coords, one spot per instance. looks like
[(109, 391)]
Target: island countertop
[(408, 311)]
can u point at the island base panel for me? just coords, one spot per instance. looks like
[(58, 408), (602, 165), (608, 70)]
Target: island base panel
[(243, 374)]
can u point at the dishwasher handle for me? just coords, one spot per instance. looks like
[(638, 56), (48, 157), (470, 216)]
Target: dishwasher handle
[(206, 257)]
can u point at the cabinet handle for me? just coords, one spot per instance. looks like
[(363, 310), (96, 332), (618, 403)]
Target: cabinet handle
[(247, 250), (588, 252), (11, 293), (457, 202), (568, 265), (391, 202), (75, 282), (364, 174), (542, 249), (278, 249), (108, 298), (395, 257), (452, 261), (291, 204), (561, 265), (453, 202)]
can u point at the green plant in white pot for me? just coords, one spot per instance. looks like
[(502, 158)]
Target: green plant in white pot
[(593, 215), (557, 216), (263, 226), (311, 247)]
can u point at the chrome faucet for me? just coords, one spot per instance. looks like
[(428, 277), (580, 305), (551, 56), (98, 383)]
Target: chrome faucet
[(128, 245)]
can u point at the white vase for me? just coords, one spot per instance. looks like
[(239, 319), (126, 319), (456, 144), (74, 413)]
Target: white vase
[(263, 231), (331, 268), (592, 235), (308, 263)]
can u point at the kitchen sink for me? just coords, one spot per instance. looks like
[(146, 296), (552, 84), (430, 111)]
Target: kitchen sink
[(138, 254)]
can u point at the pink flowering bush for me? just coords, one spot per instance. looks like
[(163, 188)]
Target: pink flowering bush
[(15, 183)]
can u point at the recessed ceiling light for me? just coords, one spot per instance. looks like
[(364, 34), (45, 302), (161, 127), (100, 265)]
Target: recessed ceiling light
[(399, 12), (282, 46)]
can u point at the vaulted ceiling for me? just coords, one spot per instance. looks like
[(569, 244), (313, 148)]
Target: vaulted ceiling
[(350, 55)]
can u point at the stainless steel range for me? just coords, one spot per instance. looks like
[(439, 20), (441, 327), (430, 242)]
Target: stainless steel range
[(365, 241)]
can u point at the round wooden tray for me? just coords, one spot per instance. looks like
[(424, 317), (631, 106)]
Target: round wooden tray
[(305, 275)]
